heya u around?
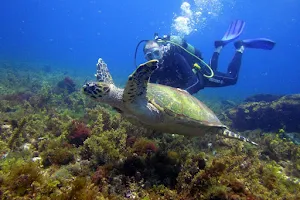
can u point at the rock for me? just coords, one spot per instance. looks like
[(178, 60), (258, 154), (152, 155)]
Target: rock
[(36, 159), (26, 146), (6, 126), (267, 115), (295, 137), (263, 97)]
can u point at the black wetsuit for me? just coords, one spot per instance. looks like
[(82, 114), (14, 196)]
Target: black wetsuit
[(221, 79), (176, 71)]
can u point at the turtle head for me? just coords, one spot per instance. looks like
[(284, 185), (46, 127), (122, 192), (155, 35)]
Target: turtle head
[(97, 90), (105, 93)]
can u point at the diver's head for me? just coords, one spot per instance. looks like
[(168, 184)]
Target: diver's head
[(152, 50)]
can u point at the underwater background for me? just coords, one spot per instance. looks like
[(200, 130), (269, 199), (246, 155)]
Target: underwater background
[(57, 144), (73, 34)]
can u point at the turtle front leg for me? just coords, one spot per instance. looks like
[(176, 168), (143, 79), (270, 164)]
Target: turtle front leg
[(229, 134), (103, 74)]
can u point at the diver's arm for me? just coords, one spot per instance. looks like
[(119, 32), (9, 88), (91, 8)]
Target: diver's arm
[(155, 76), (191, 82), (184, 69)]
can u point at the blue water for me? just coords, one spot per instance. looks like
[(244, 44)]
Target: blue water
[(73, 34)]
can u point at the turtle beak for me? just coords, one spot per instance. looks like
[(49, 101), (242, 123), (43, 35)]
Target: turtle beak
[(84, 88), (89, 87)]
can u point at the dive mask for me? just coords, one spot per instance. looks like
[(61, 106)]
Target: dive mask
[(154, 53)]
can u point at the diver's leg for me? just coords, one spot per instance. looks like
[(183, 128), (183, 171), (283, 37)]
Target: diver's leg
[(220, 80), (235, 64), (215, 58), (234, 30), (230, 78)]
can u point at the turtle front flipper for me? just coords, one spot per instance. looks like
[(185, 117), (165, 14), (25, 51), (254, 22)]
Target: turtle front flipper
[(103, 74), (136, 86), (229, 134)]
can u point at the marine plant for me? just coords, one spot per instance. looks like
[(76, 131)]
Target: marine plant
[(57, 152), (144, 146), (19, 177), (78, 133), (119, 160), (105, 147), (66, 85), (77, 188), (16, 134)]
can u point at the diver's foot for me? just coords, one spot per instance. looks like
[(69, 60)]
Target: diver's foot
[(218, 49), (219, 43), (239, 45), (258, 43)]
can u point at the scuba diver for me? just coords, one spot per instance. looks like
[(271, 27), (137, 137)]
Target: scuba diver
[(181, 65)]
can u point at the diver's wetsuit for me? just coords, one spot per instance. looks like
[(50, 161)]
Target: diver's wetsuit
[(224, 79), (176, 71)]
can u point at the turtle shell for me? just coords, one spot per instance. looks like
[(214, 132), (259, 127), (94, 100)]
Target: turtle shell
[(179, 104)]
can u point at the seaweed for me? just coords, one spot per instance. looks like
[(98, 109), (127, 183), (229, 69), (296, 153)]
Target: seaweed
[(78, 133), (60, 145)]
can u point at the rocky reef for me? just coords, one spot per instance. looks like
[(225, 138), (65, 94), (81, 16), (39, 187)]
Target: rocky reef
[(57, 144), (267, 112)]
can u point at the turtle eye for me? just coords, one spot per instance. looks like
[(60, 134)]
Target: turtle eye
[(106, 88)]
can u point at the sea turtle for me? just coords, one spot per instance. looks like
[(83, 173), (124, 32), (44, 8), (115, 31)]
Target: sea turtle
[(158, 107)]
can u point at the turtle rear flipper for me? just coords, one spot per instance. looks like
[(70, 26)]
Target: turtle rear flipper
[(103, 74), (136, 86), (229, 134)]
